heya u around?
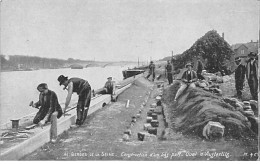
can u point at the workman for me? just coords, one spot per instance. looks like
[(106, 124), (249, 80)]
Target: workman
[(109, 87), (83, 89), (188, 78), (48, 104), (151, 70)]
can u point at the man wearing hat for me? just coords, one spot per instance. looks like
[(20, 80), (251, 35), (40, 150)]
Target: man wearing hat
[(239, 77), (109, 87), (83, 89), (251, 74), (151, 70), (188, 78), (48, 103)]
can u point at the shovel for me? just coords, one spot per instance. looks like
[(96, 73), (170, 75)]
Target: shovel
[(66, 112)]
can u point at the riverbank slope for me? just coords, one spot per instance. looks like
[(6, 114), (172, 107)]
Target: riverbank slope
[(101, 137)]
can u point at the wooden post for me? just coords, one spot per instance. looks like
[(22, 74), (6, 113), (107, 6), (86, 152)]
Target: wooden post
[(127, 103), (53, 130)]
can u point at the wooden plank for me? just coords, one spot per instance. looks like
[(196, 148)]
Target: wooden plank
[(30, 126)]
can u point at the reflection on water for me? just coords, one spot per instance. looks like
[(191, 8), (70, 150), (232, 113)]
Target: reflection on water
[(19, 88)]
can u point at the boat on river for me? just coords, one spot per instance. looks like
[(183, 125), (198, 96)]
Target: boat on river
[(132, 72), (76, 66)]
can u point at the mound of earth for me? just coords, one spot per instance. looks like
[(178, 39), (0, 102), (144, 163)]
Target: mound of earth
[(195, 108)]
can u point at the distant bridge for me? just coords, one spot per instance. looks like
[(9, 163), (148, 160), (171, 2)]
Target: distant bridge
[(102, 64)]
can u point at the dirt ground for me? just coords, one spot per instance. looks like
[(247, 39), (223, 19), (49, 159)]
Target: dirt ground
[(100, 138)]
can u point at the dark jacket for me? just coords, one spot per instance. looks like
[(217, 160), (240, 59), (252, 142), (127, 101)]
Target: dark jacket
[(151, 68), (192, 76), (240, 73), (48, 101), (250, 68)]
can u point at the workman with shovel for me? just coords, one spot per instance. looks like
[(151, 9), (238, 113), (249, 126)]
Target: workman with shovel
[(83, 89), (48, 104), (188, 78)]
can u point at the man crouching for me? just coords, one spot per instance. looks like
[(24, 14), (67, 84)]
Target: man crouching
[(48, 104)]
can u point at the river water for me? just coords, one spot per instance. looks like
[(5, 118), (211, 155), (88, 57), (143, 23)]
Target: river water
[(18, 88)]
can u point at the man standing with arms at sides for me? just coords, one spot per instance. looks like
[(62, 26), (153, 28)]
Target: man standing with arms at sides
[(251, 75), (83, 89), (151, 70), (239, 77), (168, 70)]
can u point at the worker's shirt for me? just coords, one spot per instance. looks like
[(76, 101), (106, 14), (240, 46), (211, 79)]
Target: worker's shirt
[(78, 84), (110, 86), (252, 68), (189, 75)]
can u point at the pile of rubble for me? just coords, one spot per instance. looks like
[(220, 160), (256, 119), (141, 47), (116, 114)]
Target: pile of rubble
[(195, 109), (212, 82), (248, 108)]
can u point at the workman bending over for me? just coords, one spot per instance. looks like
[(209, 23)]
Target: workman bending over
[(83, 89), (48, 103), (188, 79)]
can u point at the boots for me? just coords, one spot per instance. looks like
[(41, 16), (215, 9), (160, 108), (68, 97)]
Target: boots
[(79, 117), (85, 113)]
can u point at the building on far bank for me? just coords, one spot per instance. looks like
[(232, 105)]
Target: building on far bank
[(243, 49)]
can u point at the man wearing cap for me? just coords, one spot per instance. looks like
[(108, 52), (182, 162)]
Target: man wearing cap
[(188, 78), (83, 89), (168, 70), (48, 103), (109, 87), (239, 77), (251, 74), (151, 70)]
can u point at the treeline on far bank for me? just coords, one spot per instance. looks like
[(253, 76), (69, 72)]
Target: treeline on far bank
[(20, 62)]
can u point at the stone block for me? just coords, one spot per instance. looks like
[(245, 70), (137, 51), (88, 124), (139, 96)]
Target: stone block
[(155, 123), (149, 119)]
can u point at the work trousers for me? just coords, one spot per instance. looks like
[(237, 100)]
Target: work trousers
[(83, 105), (169, 76), (41, 114), (253, 85), (109, 91), (182, 88), (151, 73), (239, 88)]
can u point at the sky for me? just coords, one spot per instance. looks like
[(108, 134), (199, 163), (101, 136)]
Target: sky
[(121, 30)]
